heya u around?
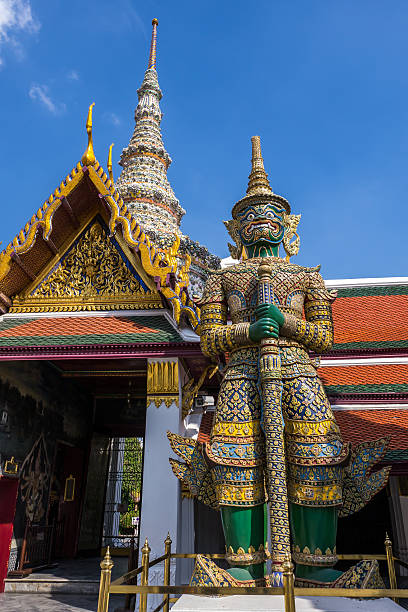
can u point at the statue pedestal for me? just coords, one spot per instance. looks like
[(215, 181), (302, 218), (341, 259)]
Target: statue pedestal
[(265, 603)]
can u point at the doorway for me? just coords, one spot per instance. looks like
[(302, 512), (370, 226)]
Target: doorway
[(123, 495), (66, 497)]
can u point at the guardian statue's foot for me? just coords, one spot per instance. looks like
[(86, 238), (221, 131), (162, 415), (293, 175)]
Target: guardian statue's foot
[(363, 575), (207, 573)]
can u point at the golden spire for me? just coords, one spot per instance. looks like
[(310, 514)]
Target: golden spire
[(258, 179), (88, 158), (110, 163), (153, 44)]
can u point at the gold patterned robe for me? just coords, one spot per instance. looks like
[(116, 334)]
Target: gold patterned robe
[(314, 448)]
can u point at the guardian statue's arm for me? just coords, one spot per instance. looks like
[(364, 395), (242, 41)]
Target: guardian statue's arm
[(216, 336)]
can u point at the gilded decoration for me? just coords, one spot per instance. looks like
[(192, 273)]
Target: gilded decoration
[(195, 473), (93, 275), (191, 388), (363, 575), (317, 557), (243, 557), (163, 383), (159, 264), (359, 484)]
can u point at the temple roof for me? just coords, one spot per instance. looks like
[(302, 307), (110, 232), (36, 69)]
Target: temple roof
[(362, 425), (84, 199), (369, 378), (371, 318), (19, 332)]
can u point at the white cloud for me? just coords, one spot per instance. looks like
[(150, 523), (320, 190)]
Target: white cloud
[(112, 118), (73, 75), (16, 15), (40, 93)]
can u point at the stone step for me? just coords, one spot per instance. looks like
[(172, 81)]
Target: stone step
[(58, 585)]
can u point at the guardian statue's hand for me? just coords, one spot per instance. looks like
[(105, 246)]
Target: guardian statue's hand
[(263, 328), (270, 311)]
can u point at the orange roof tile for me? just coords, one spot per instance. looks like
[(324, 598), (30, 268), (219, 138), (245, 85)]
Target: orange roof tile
[(74, 326), (370, 318), (27, 332), (364, 374), (205, 427), (360, 425)]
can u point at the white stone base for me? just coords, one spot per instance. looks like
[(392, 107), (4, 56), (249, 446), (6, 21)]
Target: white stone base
[(35, 585), (275, 603)]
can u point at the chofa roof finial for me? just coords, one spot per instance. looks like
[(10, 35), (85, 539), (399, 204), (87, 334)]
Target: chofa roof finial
[(110, 163), (153, 45), (88, 158)]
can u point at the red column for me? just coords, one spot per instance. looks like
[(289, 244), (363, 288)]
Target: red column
[(8, 498)]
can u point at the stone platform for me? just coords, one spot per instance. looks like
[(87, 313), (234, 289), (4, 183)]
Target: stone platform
[(76, 576), (275, 603)]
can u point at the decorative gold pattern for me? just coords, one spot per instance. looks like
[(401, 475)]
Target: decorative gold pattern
[(242, 557), (11, 467), (258, 183), (252, 494), (158, 264), (69, 490), (317, 558), (242, 430), (92, 276), (162, 383), (316, 495), (311, 428), (291, 223)]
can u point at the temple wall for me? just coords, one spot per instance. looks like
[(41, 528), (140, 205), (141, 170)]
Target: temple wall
[(41, 410)]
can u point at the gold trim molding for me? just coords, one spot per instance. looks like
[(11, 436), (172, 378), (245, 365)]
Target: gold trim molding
[(163, 383)]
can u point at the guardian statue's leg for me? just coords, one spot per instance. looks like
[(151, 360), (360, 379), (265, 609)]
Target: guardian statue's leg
[(237, 454), (315, 457)]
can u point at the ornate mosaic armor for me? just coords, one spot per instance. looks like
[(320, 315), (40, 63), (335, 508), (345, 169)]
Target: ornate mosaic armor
[(314, 448)]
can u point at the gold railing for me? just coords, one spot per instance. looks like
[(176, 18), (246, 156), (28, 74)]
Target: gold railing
[(289, 591)]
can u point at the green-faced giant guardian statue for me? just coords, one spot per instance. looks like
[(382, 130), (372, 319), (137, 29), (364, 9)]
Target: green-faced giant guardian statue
[(275, 449)]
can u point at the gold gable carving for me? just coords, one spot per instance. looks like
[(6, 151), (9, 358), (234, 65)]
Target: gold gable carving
[(91, 276)]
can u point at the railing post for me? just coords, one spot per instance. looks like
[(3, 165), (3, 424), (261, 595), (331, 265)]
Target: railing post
[(390, 563), (167, 552), (106, 570), (288, 584), (145, 575)]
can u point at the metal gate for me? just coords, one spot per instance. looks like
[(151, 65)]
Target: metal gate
[(123, 494)]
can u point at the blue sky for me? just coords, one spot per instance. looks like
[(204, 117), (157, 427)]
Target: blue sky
[(324, 83)]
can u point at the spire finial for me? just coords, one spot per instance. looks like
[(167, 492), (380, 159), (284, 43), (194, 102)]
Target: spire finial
[(258, 179), (110, 163), (153, 44), (88, 158)]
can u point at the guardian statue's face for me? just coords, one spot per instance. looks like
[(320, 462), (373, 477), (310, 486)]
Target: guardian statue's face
[(261, 224)]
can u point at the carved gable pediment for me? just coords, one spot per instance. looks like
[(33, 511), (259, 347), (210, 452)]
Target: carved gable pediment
[(94, 273)]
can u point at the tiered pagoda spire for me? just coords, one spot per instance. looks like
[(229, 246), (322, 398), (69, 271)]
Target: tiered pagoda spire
[(143, 182)]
